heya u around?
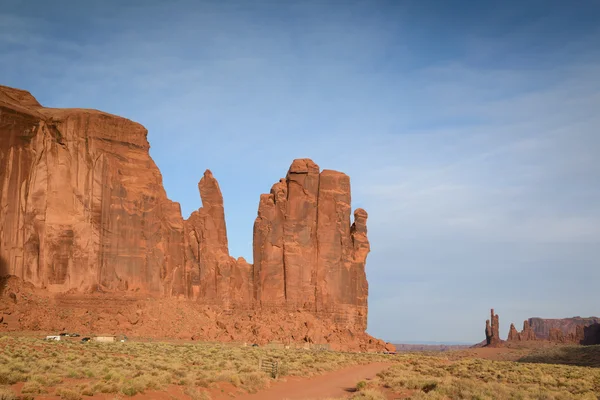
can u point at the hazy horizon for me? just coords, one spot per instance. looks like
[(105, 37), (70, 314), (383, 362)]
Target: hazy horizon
[(469, 131)]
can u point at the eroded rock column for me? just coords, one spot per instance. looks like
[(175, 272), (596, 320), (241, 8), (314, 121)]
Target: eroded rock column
[(303, 236), (300, 234), (269, 269), (215, 276)]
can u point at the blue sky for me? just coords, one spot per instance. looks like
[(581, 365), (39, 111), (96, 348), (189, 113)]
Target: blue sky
[(470, 130)]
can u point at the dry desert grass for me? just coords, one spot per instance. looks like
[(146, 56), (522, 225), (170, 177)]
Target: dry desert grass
[(73, 370), (418, 376)]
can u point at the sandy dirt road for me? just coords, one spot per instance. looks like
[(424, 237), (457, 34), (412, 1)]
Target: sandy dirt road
[(334, 384)]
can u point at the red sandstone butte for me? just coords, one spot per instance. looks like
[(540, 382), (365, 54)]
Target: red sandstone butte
[(91, 242)]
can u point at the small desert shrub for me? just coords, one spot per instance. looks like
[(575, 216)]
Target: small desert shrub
[(33, 387), (75, 373), (8, 377), (179, 374), (202, 382), (129, 390), (52, 380), (7, 393), (362, 385), (369, 394), (88, 391), (429, 386), (104, 387), (235, 380), (41, 379), (284, 369), (195, 394), (147, 382), (253, 381), (88, 373), (68, 394)]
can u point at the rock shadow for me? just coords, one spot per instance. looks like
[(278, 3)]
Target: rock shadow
[(591, 334), (4, 272), (583, 356)]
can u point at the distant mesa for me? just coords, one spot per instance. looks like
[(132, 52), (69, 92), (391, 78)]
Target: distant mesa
[(86, 223), (575, 330)]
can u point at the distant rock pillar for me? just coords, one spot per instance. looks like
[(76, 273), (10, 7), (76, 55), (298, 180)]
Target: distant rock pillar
[(513, 334), (492, 329)]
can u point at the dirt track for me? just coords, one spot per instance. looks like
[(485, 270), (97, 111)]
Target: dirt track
[(333, 384)]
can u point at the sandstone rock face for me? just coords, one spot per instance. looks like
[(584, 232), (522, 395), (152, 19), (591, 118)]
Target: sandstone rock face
[(492, 330), (83, 206), (542, 326), (556, 335), (583, 334), (300, 234), (303, 238), (269, 279), (576, 337), (527, 334), (214, 276), (575, 330), (84, 218), (590, 334)]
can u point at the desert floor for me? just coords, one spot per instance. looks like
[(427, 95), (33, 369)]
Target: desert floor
[(31, 368)]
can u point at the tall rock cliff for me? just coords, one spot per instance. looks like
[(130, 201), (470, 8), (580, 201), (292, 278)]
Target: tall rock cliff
[(543, 326), (576, 330), (307, 253), (83, 212), (83, 206)]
